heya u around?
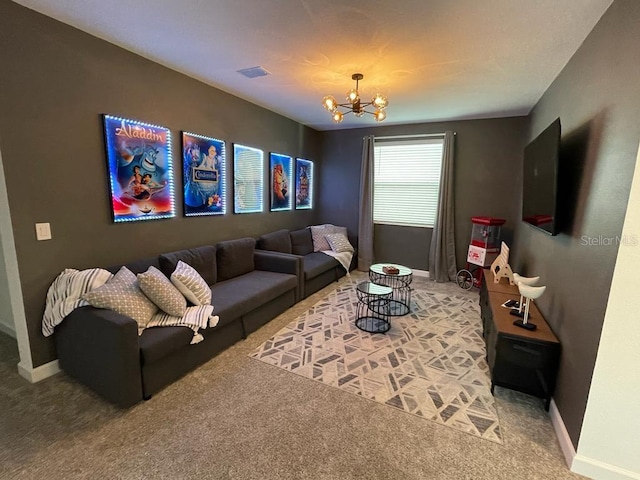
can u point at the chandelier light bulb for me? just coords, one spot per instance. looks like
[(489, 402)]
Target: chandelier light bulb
[(355, 105), (353, 96), (379, 101), (329, 103), (380, 115)]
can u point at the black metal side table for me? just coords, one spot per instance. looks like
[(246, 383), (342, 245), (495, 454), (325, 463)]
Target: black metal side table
[(400, 284), (372, 310)]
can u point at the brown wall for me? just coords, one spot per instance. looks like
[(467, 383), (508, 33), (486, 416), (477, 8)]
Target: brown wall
[(56, 81), (488, 172), (597, 99)]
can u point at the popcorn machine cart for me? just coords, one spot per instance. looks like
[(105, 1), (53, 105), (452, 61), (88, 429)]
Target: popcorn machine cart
[(483, 250)]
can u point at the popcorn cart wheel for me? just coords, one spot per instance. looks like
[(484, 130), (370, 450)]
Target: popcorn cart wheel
[(483, 249)]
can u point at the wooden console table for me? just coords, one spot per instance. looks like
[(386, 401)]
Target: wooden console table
[(519, 359)]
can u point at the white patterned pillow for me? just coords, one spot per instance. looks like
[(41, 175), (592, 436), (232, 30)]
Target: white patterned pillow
[(65, 294), (122, 294), (191, 284), (155, 285), (318, 233), (339, 242)]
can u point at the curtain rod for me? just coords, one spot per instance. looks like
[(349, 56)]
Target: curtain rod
[(419, 135)]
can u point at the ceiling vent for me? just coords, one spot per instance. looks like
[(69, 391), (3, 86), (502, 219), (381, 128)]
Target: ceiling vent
[(254, 72)]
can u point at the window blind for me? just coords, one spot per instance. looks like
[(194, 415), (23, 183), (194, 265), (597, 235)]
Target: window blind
[(407, 181)]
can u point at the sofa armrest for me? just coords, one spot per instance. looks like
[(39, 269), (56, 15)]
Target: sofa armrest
[(100, 348), (282, 263)]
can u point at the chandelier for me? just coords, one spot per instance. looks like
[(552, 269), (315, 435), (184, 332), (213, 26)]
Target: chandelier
[(354, 105)]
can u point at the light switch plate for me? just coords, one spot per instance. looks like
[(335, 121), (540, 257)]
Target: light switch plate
[(43, 231)]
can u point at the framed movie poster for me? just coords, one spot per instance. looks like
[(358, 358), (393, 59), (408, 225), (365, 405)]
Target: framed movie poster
[(203, 165), (248, 179), (281, 168), (304, 184), (140, 170)]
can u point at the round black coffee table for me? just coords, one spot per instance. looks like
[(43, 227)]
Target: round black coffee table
[(372, 310), (399, 282)]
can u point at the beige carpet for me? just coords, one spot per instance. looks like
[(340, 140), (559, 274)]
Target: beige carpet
[(236, 418), (431, 363)]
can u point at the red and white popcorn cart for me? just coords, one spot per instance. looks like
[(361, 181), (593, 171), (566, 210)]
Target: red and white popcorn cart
[(483, 250)]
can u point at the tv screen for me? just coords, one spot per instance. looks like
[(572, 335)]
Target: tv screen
[(540, 180)]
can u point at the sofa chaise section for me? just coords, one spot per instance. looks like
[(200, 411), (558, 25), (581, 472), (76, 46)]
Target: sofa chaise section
[(102, 349)]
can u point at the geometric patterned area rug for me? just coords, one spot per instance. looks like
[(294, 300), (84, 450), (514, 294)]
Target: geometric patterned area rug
[(431, 363)]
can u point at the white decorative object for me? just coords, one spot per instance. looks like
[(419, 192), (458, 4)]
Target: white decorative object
[(530, 293), (500, 266), (526, 281)]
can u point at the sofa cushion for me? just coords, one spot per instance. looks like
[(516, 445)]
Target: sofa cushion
[(235, 258), (301, 241), (317, 263), (240, 295), (203, 259), (158, 342), (279, 241), (122, 294), (155, 285), (189, 282)]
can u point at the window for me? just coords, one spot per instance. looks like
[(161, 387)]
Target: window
[(407, 181)]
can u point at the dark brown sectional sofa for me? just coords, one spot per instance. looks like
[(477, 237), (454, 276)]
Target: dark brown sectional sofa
[(102, 349)]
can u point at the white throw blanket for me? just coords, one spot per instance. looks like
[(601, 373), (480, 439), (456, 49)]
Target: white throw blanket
[(343, 257)]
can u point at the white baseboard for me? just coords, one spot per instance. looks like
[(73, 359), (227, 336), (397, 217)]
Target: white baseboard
[(420, 273), (566, 445), (4, 328), (596, 469), (39, 373)]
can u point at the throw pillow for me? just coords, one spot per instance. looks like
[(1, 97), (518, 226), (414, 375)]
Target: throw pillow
[(65, 294), (122, 294), (191, 284), (339, 242), (318, 233), (155, 285)]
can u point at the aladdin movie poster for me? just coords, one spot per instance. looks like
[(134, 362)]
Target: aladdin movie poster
[(281, 171), (139, 157), (304, 184), (203, 163)]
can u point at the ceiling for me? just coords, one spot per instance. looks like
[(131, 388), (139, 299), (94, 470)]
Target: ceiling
[(435, 59)]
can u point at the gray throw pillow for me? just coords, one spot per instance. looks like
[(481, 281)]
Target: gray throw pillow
[(122, 294), (155, 285)]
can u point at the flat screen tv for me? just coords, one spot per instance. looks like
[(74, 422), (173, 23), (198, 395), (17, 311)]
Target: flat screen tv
[(540, 180)]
